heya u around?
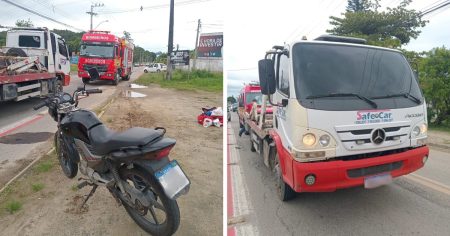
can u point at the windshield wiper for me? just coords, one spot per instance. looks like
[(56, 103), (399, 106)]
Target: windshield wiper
[(405, 95), (372, 103)]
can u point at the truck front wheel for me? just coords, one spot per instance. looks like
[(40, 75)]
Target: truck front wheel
[(58, 86), (284, 191), (116, 80), (252, 146)]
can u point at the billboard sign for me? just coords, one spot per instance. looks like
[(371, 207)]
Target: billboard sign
[(180, 57), (74, 60), (210, 45)]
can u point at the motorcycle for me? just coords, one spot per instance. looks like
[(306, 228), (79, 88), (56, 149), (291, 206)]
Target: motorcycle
[(133, 165)]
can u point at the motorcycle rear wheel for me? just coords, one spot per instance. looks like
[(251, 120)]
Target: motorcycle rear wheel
[(151, 218)]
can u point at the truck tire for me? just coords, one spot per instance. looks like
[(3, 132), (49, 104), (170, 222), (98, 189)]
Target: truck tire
[(247, 129), (284, 191), (58, 86), (16, 52), (252, 146), (158, 70), (116, 80), (272, 155), (85, 80)]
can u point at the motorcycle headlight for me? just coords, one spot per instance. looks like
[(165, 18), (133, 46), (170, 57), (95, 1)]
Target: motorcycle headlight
[(309, 139), (324, 140)]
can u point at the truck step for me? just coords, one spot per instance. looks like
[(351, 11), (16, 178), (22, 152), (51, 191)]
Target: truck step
[(28, 87), (25, 96)]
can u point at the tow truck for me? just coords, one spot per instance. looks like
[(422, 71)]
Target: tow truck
[(346, 114), (34, 63)]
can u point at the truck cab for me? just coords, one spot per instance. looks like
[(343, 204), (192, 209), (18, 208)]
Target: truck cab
[(50, 47), (345, 114), (245, 102)]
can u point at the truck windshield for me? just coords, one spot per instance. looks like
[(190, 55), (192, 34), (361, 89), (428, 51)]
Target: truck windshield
[(253, 95), (97, 50), (376, 78)]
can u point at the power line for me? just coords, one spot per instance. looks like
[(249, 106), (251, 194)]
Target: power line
[(188, 2), (434, 8), (252, 68), (41, 15)]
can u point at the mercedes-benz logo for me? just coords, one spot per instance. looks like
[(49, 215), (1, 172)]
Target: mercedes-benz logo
[(378, 136)]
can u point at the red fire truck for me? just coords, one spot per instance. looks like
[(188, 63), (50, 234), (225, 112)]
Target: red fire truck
[(110, 55), (245, 100)]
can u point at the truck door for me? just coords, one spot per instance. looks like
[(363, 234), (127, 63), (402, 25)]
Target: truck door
[(282, 124), (125, 59), (62, 60)]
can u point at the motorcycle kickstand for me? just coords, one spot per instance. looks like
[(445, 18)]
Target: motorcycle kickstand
[(88, 196)]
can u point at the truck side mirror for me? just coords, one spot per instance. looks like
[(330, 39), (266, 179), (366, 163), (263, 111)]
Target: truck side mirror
[(266, 76)]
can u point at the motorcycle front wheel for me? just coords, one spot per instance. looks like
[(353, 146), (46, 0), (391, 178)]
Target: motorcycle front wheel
[(161, 218), (69, 167)]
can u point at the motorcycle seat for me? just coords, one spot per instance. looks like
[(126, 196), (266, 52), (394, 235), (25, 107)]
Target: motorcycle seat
[(104, 140)]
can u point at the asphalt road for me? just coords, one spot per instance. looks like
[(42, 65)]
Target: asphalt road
[(416, 204)]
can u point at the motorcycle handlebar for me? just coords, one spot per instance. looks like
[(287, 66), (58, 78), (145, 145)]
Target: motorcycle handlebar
[(88, 91), (40, 105)]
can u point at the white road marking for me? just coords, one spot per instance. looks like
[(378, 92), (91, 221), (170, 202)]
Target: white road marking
[(429, 183), (241, 205)]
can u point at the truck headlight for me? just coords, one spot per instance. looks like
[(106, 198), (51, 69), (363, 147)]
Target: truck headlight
[(309, 139), (324, 140), (423, 128), (416, 131)]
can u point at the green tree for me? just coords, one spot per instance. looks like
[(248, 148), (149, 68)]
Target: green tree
[(435, 82), (162, 58), (231, 99), (127, 35), (390, 28), (361, 5), (24, 23)]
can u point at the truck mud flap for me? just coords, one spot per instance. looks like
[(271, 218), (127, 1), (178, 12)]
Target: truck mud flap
[(8, 92)]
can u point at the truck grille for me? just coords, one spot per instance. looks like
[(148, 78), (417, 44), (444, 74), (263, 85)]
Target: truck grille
[(373, 170), (362, 137), (100, 68)]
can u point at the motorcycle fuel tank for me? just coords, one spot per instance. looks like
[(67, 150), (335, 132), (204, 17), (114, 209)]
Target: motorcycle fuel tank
[(76, 124)]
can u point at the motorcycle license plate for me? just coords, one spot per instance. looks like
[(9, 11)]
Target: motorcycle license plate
[(377, 180), (173, 180)]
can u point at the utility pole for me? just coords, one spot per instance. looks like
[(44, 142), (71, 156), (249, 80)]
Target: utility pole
[(170, 44), (196, 42), (92, 13)]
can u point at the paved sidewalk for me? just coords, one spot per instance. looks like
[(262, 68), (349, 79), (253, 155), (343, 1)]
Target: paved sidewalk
[(439, 139)]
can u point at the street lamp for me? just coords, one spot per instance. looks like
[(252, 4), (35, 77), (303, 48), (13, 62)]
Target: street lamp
[(100, 23)]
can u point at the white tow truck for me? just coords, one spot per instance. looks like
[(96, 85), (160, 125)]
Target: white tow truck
[(345, 114), (34, 62)]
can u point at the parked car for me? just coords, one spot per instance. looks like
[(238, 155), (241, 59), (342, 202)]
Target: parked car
[(155, 67), (234, 107)]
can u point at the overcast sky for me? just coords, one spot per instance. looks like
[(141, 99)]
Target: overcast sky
[(149, 28), (275, 22)]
